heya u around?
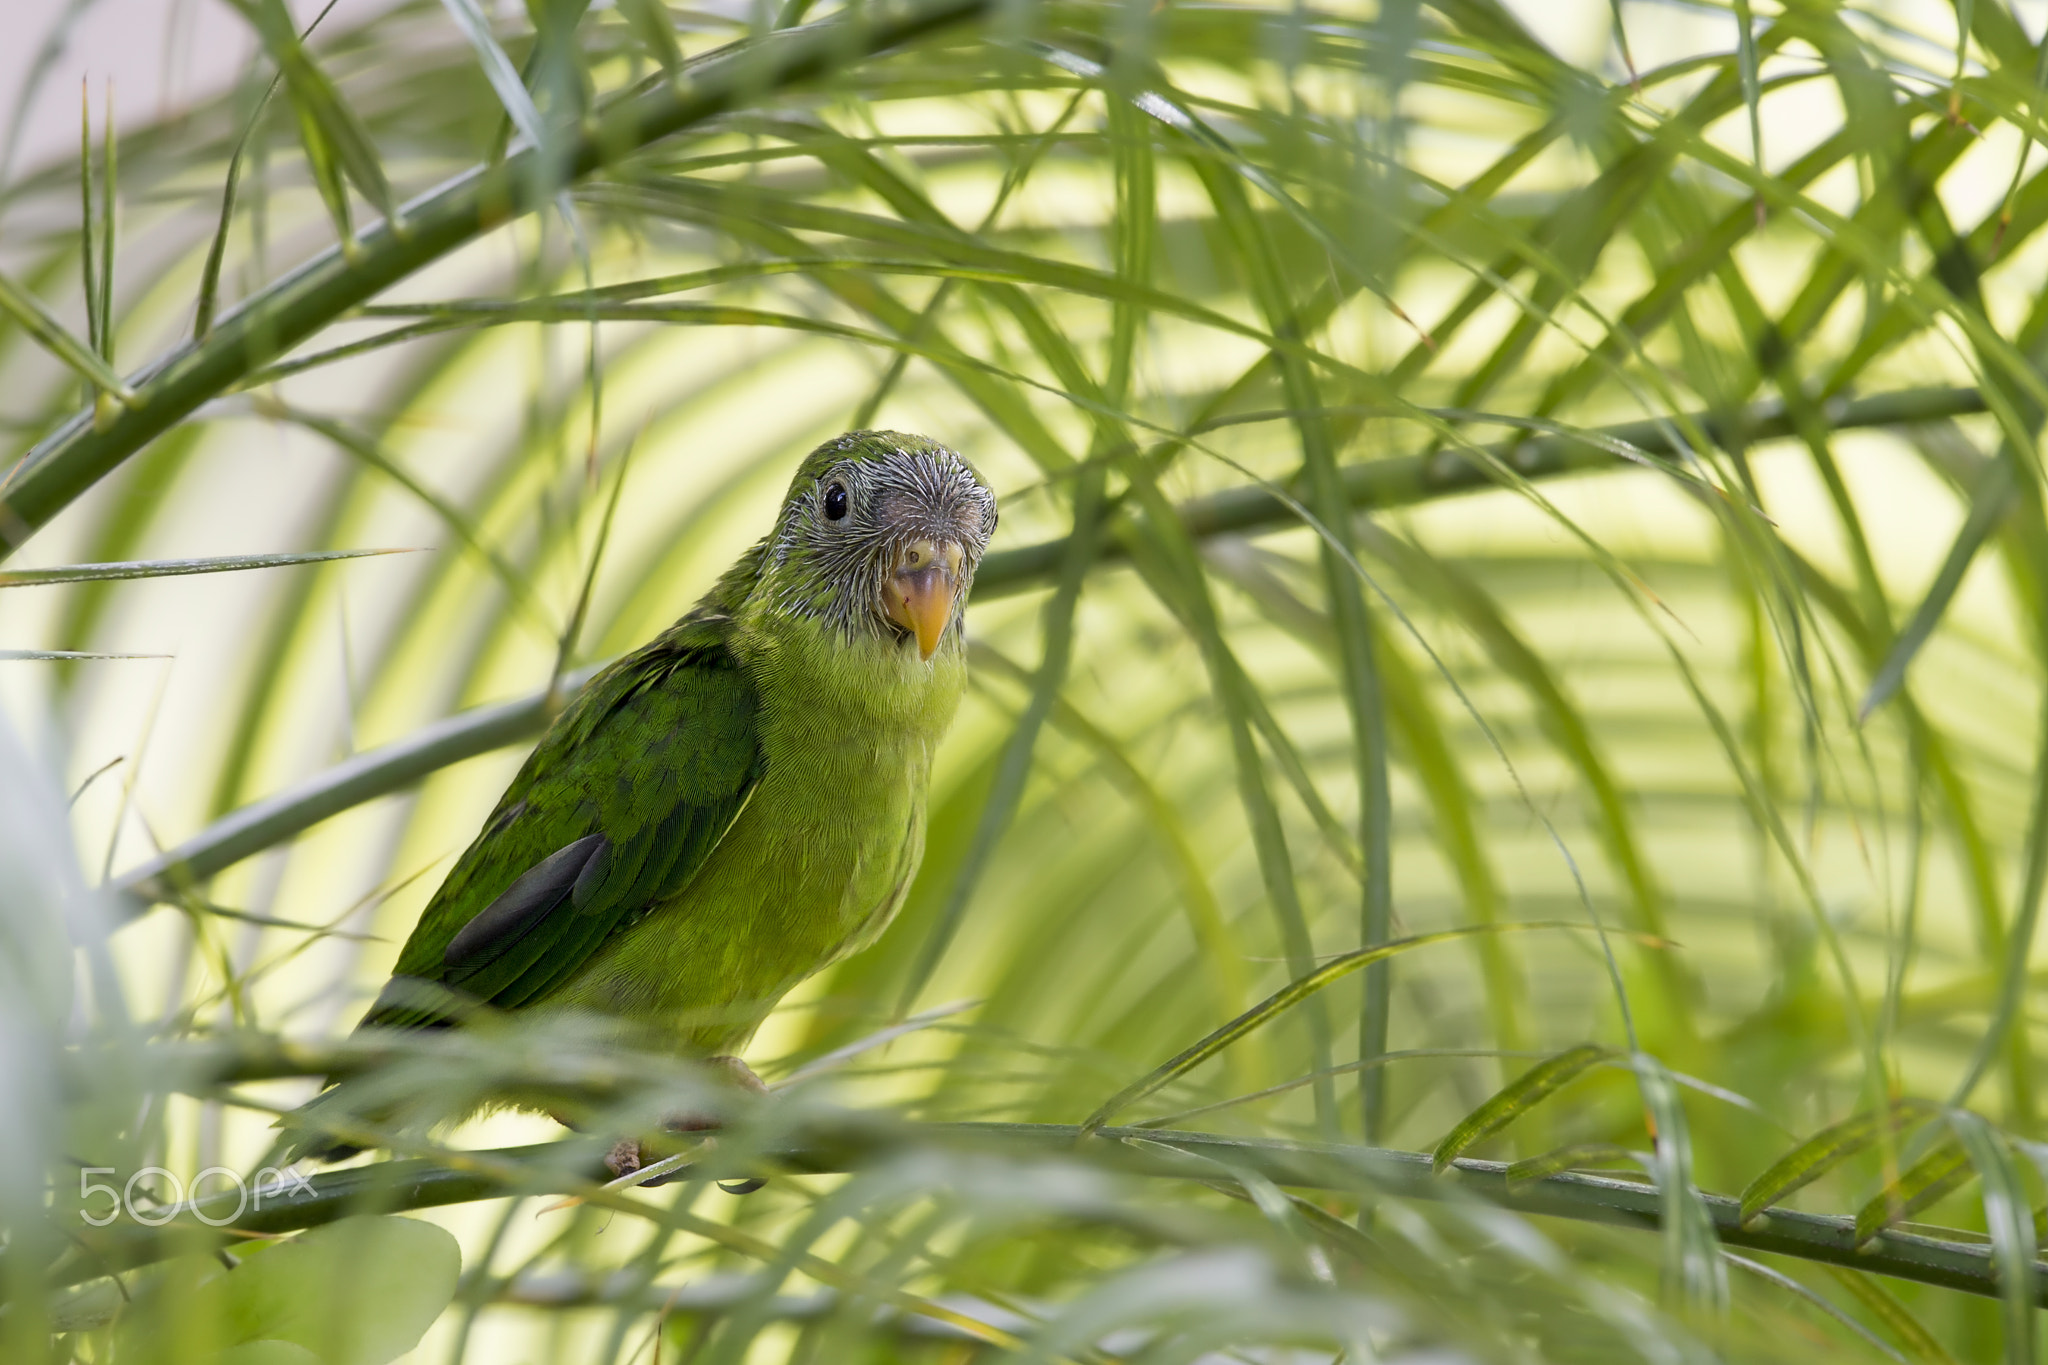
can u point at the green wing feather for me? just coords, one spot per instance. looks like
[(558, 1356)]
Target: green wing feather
[(643, 774)]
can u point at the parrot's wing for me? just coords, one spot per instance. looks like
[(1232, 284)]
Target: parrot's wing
[(617, 808)]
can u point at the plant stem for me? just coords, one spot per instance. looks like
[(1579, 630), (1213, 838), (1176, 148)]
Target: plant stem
[(420, 1183)]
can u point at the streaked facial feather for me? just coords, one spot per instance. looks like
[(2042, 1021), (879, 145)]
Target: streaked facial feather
[(899, 489)]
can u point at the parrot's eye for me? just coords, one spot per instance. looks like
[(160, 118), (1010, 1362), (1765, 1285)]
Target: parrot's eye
[(835, 502)]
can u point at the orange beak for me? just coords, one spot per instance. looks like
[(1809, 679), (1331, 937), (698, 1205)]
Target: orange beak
[(919, 596)]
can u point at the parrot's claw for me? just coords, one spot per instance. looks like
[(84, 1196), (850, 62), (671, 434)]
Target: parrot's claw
[(625, 1157)]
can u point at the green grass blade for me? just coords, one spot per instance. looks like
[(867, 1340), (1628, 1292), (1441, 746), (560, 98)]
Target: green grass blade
[(1363, 687), (328, 119), (1693, 1268), (102, 302), (2019, 940), (1989, 502), (1826, 1150), (1794, 1287), (652, 25), (1577, 1156), (1921, 1346), (1942, 1171), (50, 334), (1293, 993), (1516, 1098), (63, 655), (2011, 1224), (498, 69), (88, 221), (174, 568)]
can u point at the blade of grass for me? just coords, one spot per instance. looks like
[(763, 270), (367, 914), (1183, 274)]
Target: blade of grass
[(1798, 1290), (84, 360), (216, 251), (174, 568), (1989, 502), (331, 129), (102, 302), (1826, 1150), (1942, 1171), (1693, 1268), (650, 22), (1363, 688), (1293, 993), (88, 221), (52, 655), (1577, 1156), (1920, 1345), (2011, 1224), (358, 444), (1515, 1098)]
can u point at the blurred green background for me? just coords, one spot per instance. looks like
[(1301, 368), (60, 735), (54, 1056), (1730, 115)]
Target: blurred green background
[(1567, 474)]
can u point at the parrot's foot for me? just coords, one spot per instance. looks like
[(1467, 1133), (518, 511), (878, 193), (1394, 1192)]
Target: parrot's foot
[(731, 1069), (623, 1159), (626, 1157)]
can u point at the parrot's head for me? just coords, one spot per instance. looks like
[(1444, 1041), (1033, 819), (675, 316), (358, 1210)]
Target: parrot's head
[(881, 534)]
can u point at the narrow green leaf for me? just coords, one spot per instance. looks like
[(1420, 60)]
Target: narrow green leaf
[(103, 302), (1920, 1345), (54, 655), (27, 310), (1515, 1098), (1360, 671), (1794, 1287), (498, 69), (1284, 999), (1575, 1157), (371, 453), (1824, 1151), (1752, 94), (216, 251), (2016, 950), (1628, 59), (2011, 1225), (332, 133), (174, 568), (1990, 500), (572, 630), (1693, 1267), (88, 220), (651, 24), (1930, 1179)]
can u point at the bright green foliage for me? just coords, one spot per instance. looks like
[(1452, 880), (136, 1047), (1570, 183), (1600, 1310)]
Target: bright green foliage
[(1466, 468)]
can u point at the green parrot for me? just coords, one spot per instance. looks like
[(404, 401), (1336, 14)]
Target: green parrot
[(739, 803)]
